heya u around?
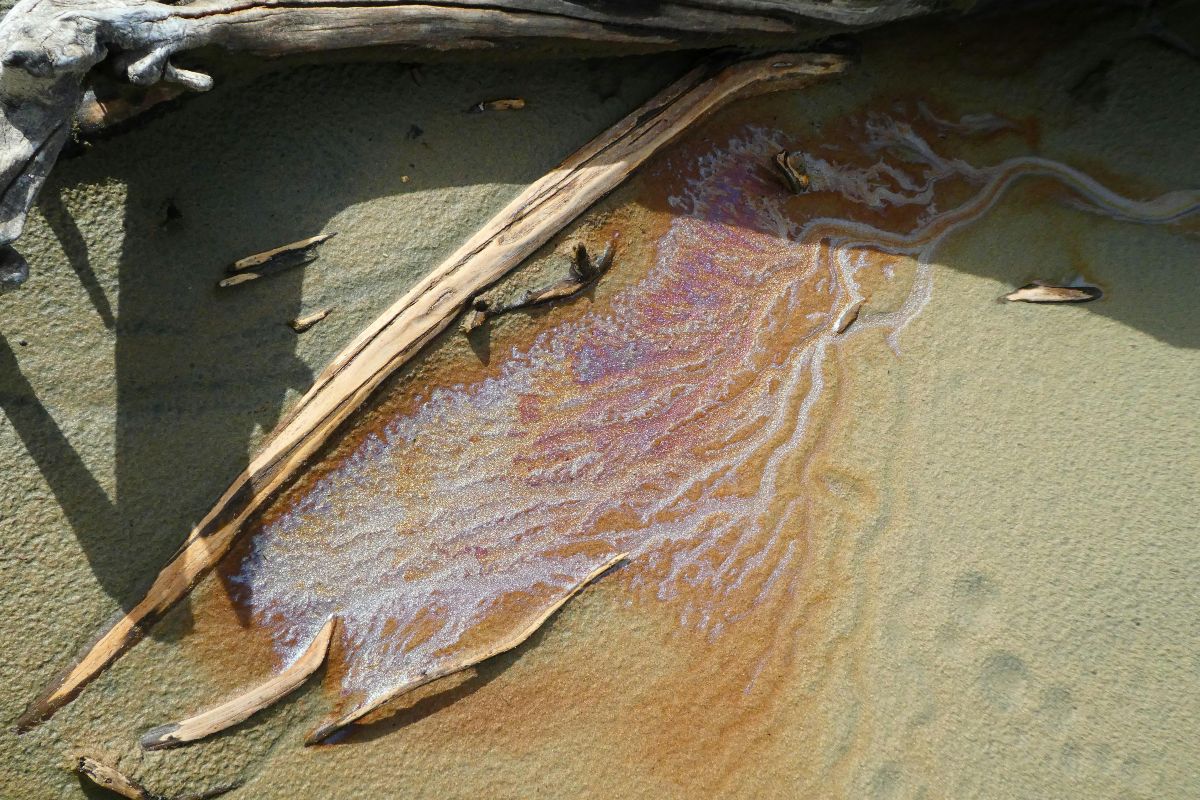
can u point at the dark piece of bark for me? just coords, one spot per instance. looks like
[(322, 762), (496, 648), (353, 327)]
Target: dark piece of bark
[(792, 172)]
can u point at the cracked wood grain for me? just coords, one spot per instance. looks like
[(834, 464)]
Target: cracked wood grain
[(523, 226)]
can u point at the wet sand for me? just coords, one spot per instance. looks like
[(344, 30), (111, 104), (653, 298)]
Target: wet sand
[(994, 598)]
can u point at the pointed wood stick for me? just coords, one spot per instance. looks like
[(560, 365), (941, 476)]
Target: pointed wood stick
[(508, 104), (111, 779), (303, 323), (323, 731), (528, 222), (266, 258), (274, 261), (243, 706), (114, 781), (1044, 292), (847, 316)]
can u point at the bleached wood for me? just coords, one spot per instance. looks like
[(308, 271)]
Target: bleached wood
[(464, 660), (244, 706)]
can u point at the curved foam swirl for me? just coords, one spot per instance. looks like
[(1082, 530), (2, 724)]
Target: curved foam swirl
[(671, 423)]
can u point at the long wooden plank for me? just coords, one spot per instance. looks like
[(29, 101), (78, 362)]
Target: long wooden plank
[(522, 227), (274, 27)]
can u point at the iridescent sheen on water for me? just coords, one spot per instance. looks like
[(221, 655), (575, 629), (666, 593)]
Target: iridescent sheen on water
[(672, 422)]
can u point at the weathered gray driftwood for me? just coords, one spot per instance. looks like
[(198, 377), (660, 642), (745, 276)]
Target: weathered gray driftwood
[(47, 48)]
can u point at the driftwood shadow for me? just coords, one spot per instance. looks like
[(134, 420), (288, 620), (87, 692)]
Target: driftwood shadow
[(269, 157)]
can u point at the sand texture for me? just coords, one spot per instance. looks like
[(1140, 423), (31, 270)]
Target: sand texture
[(942, 548)]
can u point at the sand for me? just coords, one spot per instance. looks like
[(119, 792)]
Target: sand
[(999, 597)]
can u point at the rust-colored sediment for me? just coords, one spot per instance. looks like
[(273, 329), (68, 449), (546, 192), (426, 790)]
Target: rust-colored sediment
[(689, 412)]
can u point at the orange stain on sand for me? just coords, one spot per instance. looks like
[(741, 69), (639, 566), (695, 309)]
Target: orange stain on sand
[(686, 415)]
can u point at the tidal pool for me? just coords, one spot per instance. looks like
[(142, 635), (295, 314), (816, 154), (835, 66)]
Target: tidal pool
[(673, 421)]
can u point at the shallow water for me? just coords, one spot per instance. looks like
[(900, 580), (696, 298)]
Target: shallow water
[(991, 588), (672, 422)]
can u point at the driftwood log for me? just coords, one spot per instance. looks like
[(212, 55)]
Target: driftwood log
[(523, 226), (48, 48)]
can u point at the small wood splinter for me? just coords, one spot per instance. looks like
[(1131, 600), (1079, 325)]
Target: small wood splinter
[(109, 778), (242, 707), (106, 777), (791, 168), (505, 104), (301, 324), (846, 318), (278, 259), (469, 659), (582, 273), (1045, 292)]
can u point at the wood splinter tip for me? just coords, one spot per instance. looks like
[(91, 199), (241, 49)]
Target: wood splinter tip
[(1045, 292), (847, 317), (275, 260), (303, 323), (245, 705), (505, 104), (258, 259)]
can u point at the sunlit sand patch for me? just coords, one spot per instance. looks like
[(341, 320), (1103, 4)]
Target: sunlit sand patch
[(674, 422)]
